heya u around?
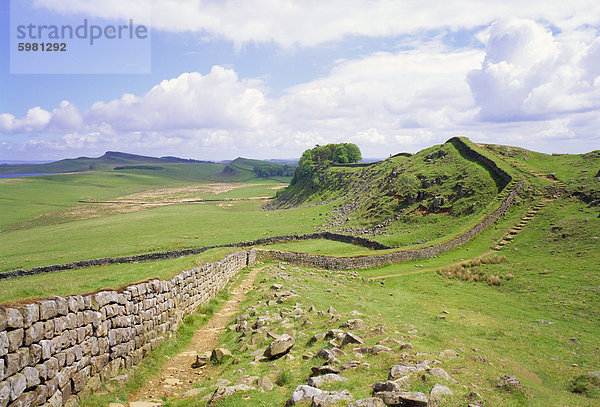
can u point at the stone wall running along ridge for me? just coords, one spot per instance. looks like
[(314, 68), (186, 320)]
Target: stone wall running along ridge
[(57, 350), (361, 262)]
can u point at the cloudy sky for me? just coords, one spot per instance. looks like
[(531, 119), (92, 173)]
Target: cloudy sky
[(270, 78)]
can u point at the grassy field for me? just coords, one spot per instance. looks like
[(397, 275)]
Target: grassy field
[(496, 330)]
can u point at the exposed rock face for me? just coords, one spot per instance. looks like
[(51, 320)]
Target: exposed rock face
[(279, 347), (351, 338)]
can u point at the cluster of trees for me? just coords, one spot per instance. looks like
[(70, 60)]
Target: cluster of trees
[(274, 170), (320, 157)]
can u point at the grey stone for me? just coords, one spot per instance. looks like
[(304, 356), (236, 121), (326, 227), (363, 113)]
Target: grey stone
[(15, 339), (3, 343), (279, 347), (193, 393), (303, 394), (351, 338), (47, 309), (202, 359), (56, 400), (438, 392), (34, 333), (386, 386), (355, 324), (103, 298), (62, 307), (4, 393), (320, 381), (441, 373), (449, 353), (1, 369), (265, 384), (18, 384), (354, 364), (370, 402), (405, 368), (222, 392), (596, 374), (218, 355), (321, 370), (32, 376), (403, 398), (3, 320), (30, 313), (276, 287), (332, 398), (14, 319)]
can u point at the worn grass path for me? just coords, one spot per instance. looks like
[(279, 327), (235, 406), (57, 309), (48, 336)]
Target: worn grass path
[(177, 376)]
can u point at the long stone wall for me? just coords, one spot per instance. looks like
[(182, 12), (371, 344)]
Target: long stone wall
[(360, 262), (56, 350)]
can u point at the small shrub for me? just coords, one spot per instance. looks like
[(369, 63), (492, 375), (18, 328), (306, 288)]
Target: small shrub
[(493, 280), (284, 377), (584, 384)]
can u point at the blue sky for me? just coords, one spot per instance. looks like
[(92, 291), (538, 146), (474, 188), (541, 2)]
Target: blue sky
[(269, 79)]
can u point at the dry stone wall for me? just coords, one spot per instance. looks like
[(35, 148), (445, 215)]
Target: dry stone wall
[(57, 350), (360, 262)]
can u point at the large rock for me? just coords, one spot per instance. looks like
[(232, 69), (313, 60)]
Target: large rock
[(355, 324), (321, 370), (370, 402), (438, 392), (202, 359), (320, 381), (386, 386), (265, 384), (279, 347), (222, 392), (351, 338), (219, 355), (332, 398), (403, 398), (304, 393), (404, 368), (441, 373)]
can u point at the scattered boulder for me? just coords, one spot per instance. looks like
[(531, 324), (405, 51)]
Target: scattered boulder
[(265, 384), (193, 393), (405, 368), (304, 393), (319, 381), (219, 355), (276, 287), (351, 338), (449, 353), (321, 370), (279, 347), (332, 398), (354, 364), (370, 402), (201, 359), (222, 392), (355, 324), (507, 382), (386, 386), (438, 392), (403, 398), (441, 373)]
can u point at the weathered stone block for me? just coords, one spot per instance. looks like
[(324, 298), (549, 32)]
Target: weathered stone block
[(51, 367), (102, 298), (34, 333), (4, 393), (1, 369), (32, 376), (42, 371), (48, 309), (3, 343), (17, 384), (62, 307), (14, 319), (41, 393), (80, 379), (35, 354), (49, 329), (30, 314), (15, 339)]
